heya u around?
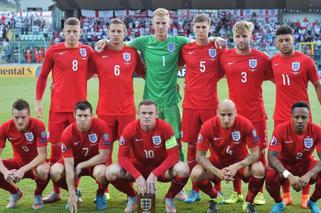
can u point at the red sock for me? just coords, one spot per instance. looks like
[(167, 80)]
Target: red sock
[(7, 186), (124, 186), (177, 185), (41, 185), (206, 186), (55, 155), (306, 190), (217, 186), (237, 185), (254, 187), (286, 186), (317, 191), (101, 187), (62, 183), (191, 161), (273, 184)]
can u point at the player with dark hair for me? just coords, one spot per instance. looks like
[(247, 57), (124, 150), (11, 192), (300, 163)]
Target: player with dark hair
[(85, 152), (200, 98), (228, 136), (148, 152), (290, 157), (28, 139), (292, 71), (68, 61)]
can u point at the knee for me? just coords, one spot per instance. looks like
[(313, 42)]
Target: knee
[(42, 171), (196, 173), (56, 171), (258, 169), (99, 172), (181, 169), (114, 172)]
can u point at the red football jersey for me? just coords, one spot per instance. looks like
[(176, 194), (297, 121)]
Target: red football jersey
[(115, 70), (84, 145), (149, 149), (227, 146), (292, 75), (202, 75), (294, 148), (245, 75), (24, 144), (69, 68)]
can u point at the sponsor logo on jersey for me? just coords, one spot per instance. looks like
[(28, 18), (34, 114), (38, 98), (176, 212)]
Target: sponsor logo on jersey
[(171, 47), (212, 52), (43, 137), (106, 140), (92, 137), (29, 136), (236, 136), (252, 63), (121, 140), (83, 52), (308, 143), (199, 138), (295, 66), (127, 57), (63, 147), (156, 140), (273, 141)]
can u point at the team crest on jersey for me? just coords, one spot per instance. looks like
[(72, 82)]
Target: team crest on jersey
[(92, 138), (156, 140), (121, 140), (127, 57), (29, 136), (83, 52), (252, 63), (171, 47), (212, 52), (273, 141), (295, 66), (236, 136), (308, 143)]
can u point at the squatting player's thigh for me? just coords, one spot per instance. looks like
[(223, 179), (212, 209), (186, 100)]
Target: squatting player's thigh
[(42, 170), (58, 121), (190, 125), (99, 170), (198, 173), (115, 171), (180, 169)]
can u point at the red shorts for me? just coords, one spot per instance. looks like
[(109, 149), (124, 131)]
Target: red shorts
[(192, 121), (116, 124), (58, 121), (239, 174), (14, 164), (261, 130), (277, 123)]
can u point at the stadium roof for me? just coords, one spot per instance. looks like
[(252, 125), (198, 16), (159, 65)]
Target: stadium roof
[(186, 4)]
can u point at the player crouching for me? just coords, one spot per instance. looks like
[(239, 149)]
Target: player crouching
[(148, 152), (85, 150), (29, 143), (291, 157), (228, 136)]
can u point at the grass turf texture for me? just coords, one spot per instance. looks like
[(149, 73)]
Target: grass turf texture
[(13, 88)]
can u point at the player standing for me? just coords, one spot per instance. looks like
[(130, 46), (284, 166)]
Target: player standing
[(68, 62), (29, 143), (228, 136), (200, 97), (291, 157), (245, 69), (292, 71)]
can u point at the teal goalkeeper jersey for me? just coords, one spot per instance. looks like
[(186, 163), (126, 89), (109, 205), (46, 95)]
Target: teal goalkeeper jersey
[(161, 59)]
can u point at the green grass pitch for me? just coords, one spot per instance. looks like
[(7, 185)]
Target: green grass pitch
[(13, 88)]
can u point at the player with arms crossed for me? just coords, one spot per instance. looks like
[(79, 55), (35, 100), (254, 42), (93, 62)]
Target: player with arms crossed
[(290, 157), (228, 136), (29, 143), (148, 152), (245, 69), (68, 62), (292, 71), (200, 99), (85, 151)]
